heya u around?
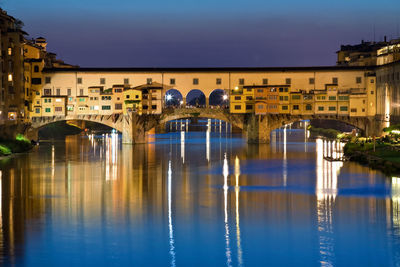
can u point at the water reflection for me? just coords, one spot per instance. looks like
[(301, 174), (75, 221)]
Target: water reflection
[(92, 200)]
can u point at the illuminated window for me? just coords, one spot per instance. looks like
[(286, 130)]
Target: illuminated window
[(9, 51), (58, 100), (10, 77)]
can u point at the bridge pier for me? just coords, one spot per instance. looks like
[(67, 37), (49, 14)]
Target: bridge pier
[(257, 129)]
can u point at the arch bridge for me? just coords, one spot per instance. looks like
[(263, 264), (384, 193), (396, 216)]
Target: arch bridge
[(257, 128)]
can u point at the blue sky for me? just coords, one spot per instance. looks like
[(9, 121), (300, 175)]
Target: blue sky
[(162, 33)]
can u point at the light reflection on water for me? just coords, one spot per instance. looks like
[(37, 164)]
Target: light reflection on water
[(198, 198)]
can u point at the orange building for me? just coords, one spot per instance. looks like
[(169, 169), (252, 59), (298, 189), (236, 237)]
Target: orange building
[(266, 99)]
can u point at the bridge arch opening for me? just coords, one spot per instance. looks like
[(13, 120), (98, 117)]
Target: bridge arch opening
[(195, 98), (173, 98), (218, 97)]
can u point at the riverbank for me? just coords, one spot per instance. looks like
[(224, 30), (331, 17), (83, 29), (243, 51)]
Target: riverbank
[(328, 133), (385, 157), (19, 145)]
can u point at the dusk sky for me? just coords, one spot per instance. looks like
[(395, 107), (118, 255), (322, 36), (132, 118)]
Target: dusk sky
[(207, 33)]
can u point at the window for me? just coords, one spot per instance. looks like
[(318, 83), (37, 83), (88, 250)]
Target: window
[(36, 68), (195, 81), (9, 51), (238, 107), (311, 81), (260, 90), (126, 81), (260, 106), (284, 107), (47, 100), (265, 81), (308, 107), (128, 96), (47, 79), (335, 80), (343, 97), (332, 108), (295, 107), (296, 97), (238, 97), (363, 101), (48, 110), (106, 107), (149, 80), (118, 106), (372, 81), (288, 81), (172, 81), (10, 77), (58, 91), (241, 81), (320, 108), (363, 110), (46, 91), (358, 79), (79, 80), (249, 98), (145, 107), (343, 108), (154, 106), (37, 110), (332, 97), (36, 81), (58, 109), (249, 107), (69, 91), (81, 91), (70, 108), (307, 97), (372, 92), (218, 81), (281, 98), (353, 110), (281, 90), (81, 100)]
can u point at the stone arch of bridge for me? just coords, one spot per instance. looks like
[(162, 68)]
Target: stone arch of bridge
[(113, 121), (218, 114), (366, 125)]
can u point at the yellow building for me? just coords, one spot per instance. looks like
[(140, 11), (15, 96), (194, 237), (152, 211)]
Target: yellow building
[(284, 101), (242, 100), (132, 101)]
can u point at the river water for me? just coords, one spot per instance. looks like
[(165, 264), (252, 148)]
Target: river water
[(196, 199)]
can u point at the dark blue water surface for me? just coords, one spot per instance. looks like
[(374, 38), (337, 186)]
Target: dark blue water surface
[(196, 199)]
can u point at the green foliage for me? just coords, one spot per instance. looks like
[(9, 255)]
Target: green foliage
[(21, 138), (329, 133), (391, 128), (4, 151)]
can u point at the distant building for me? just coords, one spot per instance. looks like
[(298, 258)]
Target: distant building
[(364, 54)]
